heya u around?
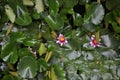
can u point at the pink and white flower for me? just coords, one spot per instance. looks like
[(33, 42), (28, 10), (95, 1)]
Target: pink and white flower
[(94, 42), (61, 39)]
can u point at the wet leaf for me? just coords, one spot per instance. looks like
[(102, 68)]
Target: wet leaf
[(95, 14)]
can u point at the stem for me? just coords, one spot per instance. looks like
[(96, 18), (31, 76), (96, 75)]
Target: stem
[(11, 67), (86, 6), (9, 29), (106, 25), (97, 36)]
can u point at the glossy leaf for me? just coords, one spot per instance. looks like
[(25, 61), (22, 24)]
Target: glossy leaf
[(9, 53), (29, 50), (89, 26), (109, 53), (28, 70), (36, 15), (29, 42), (17, 37), (23, 20), (95, 13), (54, 6), (110, 41)]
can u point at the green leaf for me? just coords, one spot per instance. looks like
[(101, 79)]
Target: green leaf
[(68, 4), (109, 17), (83, 2), (42, 65), (35, 15), (54, 6), (109, 53), (39, 6), (25, 52), (110, 41), (116, 27), (17, 37), (73, 55), (112, 5), (53, 75), (42, 49), (28, 70), (29, 42), (58, 72), (9, 52), (77, 19), (23, 20), (23, 17), (8, 77), (59, 21), (11, 15), (52, 23), (107, 76), (95, 14), (75, 43)]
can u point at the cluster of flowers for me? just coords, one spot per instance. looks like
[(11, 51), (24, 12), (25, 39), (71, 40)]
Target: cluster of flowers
[(62, 40)]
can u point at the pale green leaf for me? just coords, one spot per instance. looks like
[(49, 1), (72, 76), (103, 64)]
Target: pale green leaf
[(39, 6), (11, 15), (42, 49), (28, 2), (53, 75)]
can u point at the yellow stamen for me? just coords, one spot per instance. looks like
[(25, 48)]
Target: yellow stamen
[(62, 39)]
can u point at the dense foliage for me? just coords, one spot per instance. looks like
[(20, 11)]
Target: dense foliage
[(60, 39)]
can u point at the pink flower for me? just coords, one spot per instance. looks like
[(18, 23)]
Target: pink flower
[(61, 39), (94, 42)]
